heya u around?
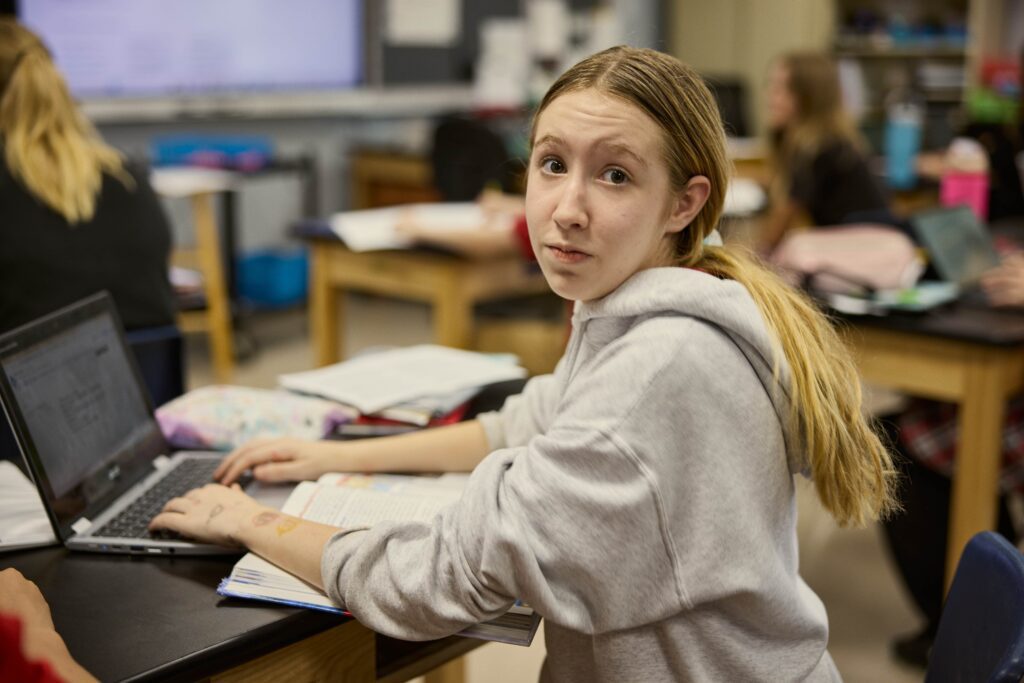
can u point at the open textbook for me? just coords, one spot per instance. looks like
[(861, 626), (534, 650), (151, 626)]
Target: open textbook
[(354, 500)]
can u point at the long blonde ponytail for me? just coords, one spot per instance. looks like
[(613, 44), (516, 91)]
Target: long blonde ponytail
[(850, 467), (49, 146)]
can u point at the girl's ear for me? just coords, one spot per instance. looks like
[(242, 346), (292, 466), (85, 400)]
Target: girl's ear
[(688, 203)]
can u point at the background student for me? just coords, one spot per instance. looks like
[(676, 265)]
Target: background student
[(817, 155), (641, 498), (74, 218), (31, 650), (502, 232)]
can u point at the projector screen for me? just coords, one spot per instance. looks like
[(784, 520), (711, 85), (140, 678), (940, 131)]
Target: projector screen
[(132, 48)]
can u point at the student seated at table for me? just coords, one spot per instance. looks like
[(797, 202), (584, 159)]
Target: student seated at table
[(503, 231), (818, 157), (31, 650), (74, 218), (926, 436), (641, 498)]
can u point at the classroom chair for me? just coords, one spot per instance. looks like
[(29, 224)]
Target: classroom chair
[(210, 311), (981, 632)]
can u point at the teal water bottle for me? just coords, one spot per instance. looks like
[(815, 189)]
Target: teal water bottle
[(902, 141)]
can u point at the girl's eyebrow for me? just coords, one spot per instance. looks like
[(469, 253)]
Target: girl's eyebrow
[(615, 147)]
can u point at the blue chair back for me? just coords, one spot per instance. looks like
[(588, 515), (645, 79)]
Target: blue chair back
[(981, 632)]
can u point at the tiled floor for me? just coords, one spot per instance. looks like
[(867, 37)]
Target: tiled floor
[(847, 568)]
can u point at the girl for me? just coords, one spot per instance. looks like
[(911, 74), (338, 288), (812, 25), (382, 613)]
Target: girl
[(641, 498), (817, 155), (73, 218)]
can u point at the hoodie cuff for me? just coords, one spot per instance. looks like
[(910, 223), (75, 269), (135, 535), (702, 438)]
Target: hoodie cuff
[(338, 549), (494, 430)]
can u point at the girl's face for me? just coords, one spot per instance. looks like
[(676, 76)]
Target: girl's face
[(599, 203), (781, 103)]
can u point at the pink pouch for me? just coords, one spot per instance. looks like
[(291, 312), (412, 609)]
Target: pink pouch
[(849, 259), (965, 188)]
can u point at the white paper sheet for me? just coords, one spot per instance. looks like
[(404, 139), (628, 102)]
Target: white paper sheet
[(376, 381), (374, 229), (425, 23), (23, 520)]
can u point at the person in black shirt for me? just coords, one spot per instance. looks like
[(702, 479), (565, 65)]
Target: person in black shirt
[(816, 151), (74, 219)]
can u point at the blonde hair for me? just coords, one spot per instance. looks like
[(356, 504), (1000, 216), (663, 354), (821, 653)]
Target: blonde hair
[(819, 118), (851, 469), (49, 146)]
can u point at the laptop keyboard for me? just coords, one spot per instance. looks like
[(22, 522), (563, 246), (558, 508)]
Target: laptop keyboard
[(133, 520)]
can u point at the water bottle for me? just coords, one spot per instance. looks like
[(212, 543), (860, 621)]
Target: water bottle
[(904, 120)]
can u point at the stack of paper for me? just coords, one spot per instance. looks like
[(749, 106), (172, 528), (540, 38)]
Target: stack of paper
[(355, 500), (23, 521), (386, 379)]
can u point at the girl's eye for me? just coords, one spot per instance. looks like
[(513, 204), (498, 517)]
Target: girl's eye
[(552, 165), (615, 176)]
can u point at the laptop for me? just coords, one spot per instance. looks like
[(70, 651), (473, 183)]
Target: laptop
[(72, 393), (960, 247)]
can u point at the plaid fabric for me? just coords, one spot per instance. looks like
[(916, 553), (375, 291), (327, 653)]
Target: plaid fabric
[(928, 431)]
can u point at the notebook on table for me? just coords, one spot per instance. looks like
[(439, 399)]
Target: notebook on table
[(74, 398)]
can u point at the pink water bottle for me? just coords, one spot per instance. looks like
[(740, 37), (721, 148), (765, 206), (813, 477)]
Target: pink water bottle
[(965, 179)]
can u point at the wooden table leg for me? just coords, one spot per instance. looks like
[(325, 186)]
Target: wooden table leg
[(325, 316), (978, 457), (344, 653), (453, 316), (452, 672)]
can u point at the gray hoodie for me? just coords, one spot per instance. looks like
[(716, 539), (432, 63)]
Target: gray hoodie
[(641, 499)]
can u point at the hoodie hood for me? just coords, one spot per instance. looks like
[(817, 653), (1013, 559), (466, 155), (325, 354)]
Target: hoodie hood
[(724, 304)]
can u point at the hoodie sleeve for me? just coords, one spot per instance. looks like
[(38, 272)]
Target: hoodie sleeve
[(524, 415), (571, 522)]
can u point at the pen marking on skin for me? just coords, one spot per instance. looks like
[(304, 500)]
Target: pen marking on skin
[(264, 518), (286, 526), (217, 509)]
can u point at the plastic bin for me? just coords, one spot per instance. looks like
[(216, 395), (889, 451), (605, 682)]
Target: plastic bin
[(273, 278)]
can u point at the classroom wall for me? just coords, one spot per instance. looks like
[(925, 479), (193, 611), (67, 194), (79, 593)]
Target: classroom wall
[(740, 37)]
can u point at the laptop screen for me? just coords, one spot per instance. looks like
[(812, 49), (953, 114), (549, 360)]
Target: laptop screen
[(80, 414), (959, 246)]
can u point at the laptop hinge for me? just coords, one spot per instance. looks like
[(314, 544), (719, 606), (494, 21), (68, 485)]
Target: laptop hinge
[(82, 525), (161, 462)]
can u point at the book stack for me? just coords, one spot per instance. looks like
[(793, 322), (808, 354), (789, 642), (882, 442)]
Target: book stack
[(356, 500), (407, 388)]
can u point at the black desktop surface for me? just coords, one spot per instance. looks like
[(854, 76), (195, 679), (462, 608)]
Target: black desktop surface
[(955, 321), (157, 618)]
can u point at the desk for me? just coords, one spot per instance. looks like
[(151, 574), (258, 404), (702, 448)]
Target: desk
[(974, 358), (450, 284), (159, 619)]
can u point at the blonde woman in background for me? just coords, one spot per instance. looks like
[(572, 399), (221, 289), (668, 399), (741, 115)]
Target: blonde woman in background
[(642, 497), (74, 219), (821, 173)]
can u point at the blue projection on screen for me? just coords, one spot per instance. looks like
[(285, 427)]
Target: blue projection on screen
[(126, 48)]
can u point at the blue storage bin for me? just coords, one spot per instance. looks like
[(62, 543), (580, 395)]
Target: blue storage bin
[(273, 278), (241, 152)]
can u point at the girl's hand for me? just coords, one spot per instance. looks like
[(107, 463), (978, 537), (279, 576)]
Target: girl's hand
[(279, 459), (213, 514), (1004, 285)]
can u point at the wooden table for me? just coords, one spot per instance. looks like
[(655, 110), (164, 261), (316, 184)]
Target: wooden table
[(972, 357), (450, 284)]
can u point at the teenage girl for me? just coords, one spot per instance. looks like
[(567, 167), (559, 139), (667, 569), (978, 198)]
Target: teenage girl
[(641, 498)]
